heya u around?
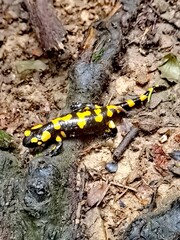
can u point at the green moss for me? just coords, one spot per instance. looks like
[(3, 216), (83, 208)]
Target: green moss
[(97, 55), (5, 139)]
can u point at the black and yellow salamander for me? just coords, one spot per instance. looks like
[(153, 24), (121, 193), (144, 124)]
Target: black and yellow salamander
[(84, 119)]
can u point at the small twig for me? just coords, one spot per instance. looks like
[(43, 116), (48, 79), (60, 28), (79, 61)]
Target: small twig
[(159, 15), (119, 184), (109, 100), (123, 186), (124, 143), (122, 194)]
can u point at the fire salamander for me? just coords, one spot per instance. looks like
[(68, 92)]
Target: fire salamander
[(84, 119)]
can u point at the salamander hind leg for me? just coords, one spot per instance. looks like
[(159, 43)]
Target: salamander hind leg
[(111, 130)]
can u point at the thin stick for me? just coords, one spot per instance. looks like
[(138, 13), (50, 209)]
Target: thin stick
[(123, 186), (125, 143)]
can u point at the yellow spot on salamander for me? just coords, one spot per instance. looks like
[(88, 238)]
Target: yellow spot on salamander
[(39, 143), (150, 89), (83, 114), (45, 136), (97, 106), (107, 130), (56, 121), (34, 140), (109, 113), (111, 124), (81, 123), (56, 124), (99, 118), (143, 97), (97, 111), (111, 107), (37, 126), (117, 108), (58, 139), (130, 103), (63, 134), (66, 117), (86, 108), (27, 133)]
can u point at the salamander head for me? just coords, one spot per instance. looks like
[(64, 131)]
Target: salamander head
[(36, 136)]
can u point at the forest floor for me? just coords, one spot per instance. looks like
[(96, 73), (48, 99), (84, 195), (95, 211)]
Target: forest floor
[(37, 97)]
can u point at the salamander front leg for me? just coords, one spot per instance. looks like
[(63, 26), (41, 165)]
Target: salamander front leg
[(76, 106), (55, 149), (111, 131)]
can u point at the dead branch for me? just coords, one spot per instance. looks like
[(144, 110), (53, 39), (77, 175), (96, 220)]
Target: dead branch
[(48, 27), (125, 143)]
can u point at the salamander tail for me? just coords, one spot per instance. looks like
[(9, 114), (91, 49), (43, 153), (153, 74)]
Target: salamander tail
[(128, 104)]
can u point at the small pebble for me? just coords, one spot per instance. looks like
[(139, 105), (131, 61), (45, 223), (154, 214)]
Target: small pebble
[(109, 143), (2, 36), (112, 167), (22, 27), (141, 79), (162, 6), (163, 130), (1, 53), (175, 169), (163, 138), (175, 155), (24, 15), (11, 15), (122, 204)]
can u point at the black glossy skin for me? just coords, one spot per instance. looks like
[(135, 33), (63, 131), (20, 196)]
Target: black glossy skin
[(84, 119)]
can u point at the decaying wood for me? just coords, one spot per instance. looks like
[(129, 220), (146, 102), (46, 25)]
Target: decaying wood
[(41, 203), (49, 29), (165, 221), (91, 72)]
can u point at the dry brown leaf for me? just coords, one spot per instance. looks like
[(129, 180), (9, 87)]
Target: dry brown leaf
[(37, 51), (160, 158), (144, 194), (97, 193), (177, 138)]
